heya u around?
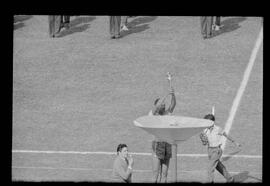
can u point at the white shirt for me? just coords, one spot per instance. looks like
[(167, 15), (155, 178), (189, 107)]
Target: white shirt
[(214, 136)]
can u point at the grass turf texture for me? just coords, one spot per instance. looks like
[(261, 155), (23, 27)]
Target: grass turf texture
[(82, 91)]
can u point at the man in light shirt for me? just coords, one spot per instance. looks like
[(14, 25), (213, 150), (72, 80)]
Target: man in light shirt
[(214, 135), (122, 167)]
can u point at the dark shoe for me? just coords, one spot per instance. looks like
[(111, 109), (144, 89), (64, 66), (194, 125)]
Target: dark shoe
[(112, 37)]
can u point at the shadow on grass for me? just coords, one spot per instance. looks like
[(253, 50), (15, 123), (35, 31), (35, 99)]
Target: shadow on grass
[(229, 156), (79, 20), (229, 25), (18, 25), (18, 21), (141, 20), (242, 176), (20, 18), (73, 30), (258, 179), (74, 25), (133, 28)]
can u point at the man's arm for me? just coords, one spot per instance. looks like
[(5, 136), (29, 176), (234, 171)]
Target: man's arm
[(230, 138), (173, 102)]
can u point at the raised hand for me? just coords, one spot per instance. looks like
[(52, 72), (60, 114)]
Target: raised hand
[(130, 160)]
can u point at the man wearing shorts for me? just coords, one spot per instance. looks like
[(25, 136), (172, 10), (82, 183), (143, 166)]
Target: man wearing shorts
[(161, 150)]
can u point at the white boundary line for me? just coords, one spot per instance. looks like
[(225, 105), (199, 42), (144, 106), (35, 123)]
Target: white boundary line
[(133, 153), (109, 170), (242, 87)]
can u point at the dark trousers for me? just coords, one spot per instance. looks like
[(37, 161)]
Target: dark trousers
[(56, 22), (65, 19), (115, 22), (214, 155), (217, 22), (124, 20), (206, 25)]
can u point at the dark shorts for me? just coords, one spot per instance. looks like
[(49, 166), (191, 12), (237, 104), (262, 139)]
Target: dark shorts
[(163, 150)]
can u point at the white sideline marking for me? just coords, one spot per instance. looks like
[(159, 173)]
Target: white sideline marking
[(242, 87), (109, 170), (133, 153)]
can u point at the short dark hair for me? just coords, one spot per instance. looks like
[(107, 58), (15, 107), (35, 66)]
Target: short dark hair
[(210, 117), (120, 147)]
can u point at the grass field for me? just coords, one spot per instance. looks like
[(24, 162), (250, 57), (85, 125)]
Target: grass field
[(75, 97)]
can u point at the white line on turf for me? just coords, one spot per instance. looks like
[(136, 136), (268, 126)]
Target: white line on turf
[(242, 87), (133, 153), (92, 169)]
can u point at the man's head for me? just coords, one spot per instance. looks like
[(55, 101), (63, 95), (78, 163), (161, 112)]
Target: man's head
[(160, 108), (210, 117), (122, 150)]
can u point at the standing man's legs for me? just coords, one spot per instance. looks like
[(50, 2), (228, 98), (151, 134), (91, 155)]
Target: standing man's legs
[(213, 154), (51, 25), (203, 26), (124, 22), (222, 170), (166, 162), (61, 21), (117, 26), (54, 25), (156, 166), (164, 170), (57, 24), (66, 21), (115, 22), (217, 22), (209, 23), (112, 23), (216, 26)]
